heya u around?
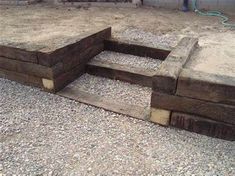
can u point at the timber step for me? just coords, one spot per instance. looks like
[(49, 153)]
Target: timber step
[(124, 67), (113, 95)]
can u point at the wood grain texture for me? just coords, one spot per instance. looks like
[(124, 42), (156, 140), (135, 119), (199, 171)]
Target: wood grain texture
[(165, 79), (205, 86), (215, 111), (82, 56), (203, 126), (18, 54), (21, 78), (121, 72), (72, 51), (28, 68), (137, 50)]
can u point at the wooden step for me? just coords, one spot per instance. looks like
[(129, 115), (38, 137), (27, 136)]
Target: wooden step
[(100, 102), (116, 96), (125, 73)]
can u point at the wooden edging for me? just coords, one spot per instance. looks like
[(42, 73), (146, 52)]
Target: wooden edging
[(21, 78), (18, 54), (215, 111), (30, 68), (121, 72), (101, 102), (206, 86), (166, 77), (203, 126), (134, 49), (71, 53)]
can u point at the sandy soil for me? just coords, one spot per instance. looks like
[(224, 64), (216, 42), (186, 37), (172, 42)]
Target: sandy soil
[(41, 26)]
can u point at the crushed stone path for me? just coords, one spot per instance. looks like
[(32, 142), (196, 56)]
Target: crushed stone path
[(45, 134)]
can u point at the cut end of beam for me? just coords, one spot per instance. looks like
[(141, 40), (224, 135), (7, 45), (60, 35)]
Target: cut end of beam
[(48, 84), (160, 116)]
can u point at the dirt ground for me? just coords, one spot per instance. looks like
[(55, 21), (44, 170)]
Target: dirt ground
[(41, 26)]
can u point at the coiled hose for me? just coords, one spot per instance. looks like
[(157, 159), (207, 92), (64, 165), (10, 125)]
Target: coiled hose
[(224, 18)]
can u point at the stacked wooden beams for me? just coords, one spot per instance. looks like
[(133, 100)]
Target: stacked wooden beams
[(125, 73), (51, 70), (192, 100)]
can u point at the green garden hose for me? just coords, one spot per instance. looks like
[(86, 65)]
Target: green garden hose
[(213, 13)]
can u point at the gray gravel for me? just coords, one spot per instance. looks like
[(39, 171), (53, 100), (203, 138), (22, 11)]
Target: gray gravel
[(129, 60), (44, 134), (114, 90), (167, 41)]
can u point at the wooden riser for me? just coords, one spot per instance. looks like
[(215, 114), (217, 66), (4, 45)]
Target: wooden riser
[(121, 72), (203, 126), (135, 49)]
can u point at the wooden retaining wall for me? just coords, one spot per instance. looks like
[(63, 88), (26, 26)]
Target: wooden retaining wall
[(193, 100), (51, 70)]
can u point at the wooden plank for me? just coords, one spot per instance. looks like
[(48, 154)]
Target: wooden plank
[(205, 86), (110, 105), (21, 78), (166, 78), (71, 74), (183, 51), (18, 54), (28, 68), (203, 126), (73, 50), (215, 111), (64, 79), (137, 50), (121, 72), (83, 56)]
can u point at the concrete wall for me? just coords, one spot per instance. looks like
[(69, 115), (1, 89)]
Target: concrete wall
[(222, 5)]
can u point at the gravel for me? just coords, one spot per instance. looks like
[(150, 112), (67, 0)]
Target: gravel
[(167, 41), (44, 134), (114, 90), (128, 60)]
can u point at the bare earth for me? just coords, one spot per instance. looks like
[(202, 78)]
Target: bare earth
[(42, 26)]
